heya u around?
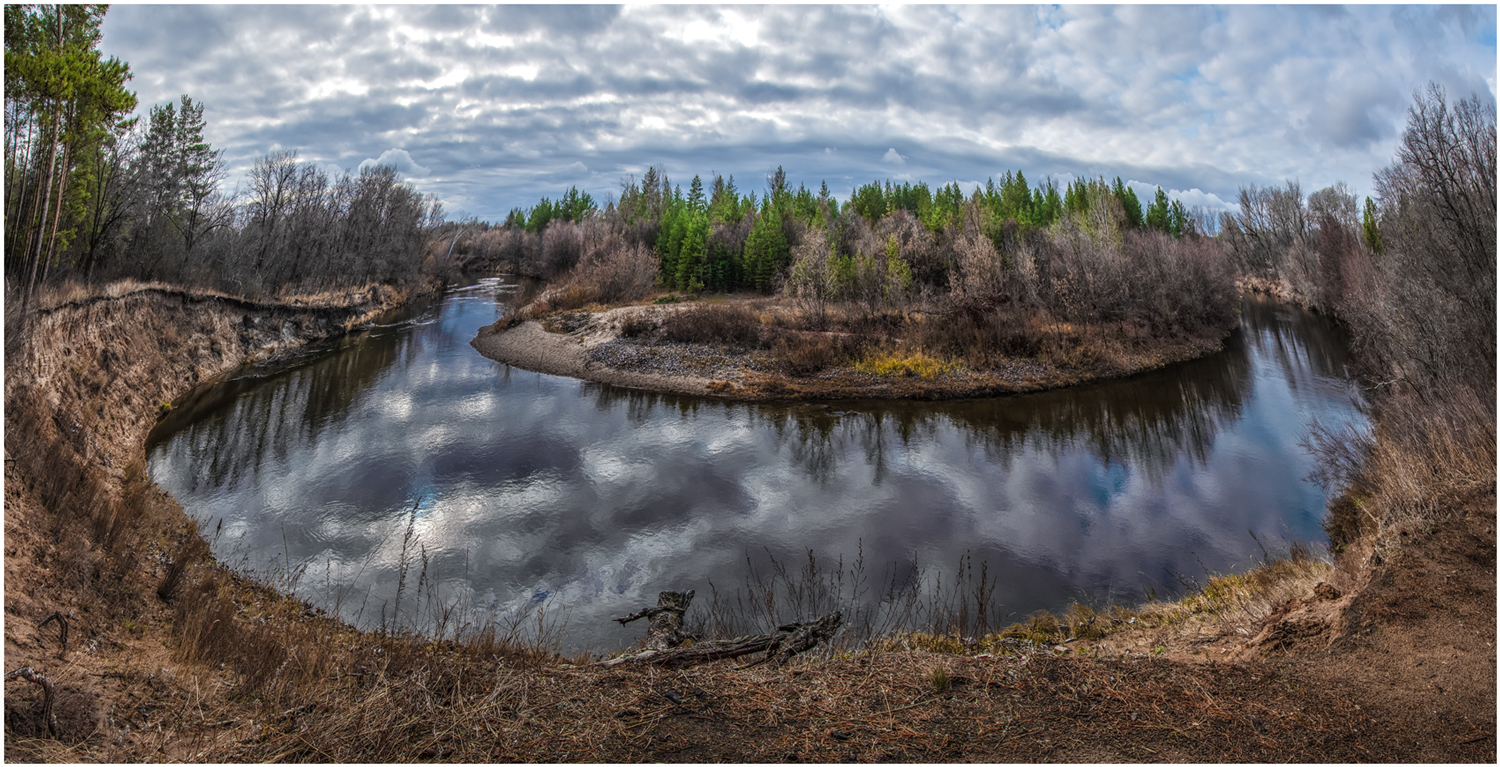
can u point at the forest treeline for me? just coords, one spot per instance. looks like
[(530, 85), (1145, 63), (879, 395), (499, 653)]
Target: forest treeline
[(93, 193), (1007, 269), (716, 238)]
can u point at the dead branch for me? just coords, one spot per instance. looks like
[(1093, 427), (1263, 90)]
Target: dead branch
[(62, 624), (779, 646), (26, 672)]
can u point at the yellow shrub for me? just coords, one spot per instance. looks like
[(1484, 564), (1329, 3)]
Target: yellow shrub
[(892, 363)]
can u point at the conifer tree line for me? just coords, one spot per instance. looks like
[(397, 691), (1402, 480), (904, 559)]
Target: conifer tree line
[(94, 193), (1087, 252), (713, 237)]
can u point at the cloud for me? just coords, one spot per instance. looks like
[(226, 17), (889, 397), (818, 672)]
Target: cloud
[(398, 158), (497, 100)]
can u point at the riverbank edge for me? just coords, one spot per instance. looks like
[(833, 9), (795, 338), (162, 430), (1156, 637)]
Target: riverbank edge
[(128, 631), (530, 346), (88, 536)]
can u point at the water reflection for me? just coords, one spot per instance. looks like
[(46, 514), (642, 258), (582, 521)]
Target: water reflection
[(1146, 422), (531, 488)]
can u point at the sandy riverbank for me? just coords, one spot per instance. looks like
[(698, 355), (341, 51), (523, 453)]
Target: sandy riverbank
[(532, 347)]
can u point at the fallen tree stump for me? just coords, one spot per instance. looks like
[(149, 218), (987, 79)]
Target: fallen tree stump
[(779, 646), (665, 629)]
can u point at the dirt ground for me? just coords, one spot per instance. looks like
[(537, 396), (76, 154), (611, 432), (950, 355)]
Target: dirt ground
[(1388, 661)]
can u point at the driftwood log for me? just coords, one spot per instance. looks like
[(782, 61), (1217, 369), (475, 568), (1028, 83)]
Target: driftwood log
[(779, 646)]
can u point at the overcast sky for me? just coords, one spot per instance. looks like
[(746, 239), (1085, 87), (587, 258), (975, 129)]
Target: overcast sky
[(493, 107)]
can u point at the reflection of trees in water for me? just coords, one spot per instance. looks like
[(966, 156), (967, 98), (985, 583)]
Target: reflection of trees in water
[(232, 432), (1305, 347), (1146, 421)]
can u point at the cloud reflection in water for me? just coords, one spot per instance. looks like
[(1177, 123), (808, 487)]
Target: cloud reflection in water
[(599, 497)]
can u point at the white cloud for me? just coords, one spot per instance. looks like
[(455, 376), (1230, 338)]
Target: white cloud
[(1197, 197), (496, 100), (399, 158)]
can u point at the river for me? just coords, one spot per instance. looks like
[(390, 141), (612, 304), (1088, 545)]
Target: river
[(397, 461)]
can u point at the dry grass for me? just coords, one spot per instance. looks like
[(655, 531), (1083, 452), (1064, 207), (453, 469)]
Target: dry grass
[(897, 362), (905, 706), (1424, 462)]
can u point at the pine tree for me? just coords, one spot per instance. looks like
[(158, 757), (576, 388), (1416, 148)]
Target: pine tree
[(199, 169), (1158, 215), (62, 100), (1178, 221), (1130, 202), (669, 243), (695, 194), (692, 253), (765, 248)]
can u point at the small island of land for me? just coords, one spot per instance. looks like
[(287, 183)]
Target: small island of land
[(750, 349), (897, 294)]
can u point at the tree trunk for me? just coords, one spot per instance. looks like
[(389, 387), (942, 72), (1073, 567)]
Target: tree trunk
[(665, 629), (56, 217), (41, 225)]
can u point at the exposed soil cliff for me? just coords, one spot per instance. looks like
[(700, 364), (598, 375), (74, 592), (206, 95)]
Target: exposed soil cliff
[(87, 536)]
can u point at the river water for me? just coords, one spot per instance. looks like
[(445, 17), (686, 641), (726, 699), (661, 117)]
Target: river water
[(509, 493)]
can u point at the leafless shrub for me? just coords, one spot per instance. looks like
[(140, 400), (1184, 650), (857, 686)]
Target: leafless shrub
[(1270, 222), (562, 247), (983, 338), (613, 271), (806, 354), (713, 323), (813, 280), (929, 263), (985, 279), (1437, 219), (1335, 204), (637, 326)]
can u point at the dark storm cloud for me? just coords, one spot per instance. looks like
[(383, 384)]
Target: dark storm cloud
[(500, 105)]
